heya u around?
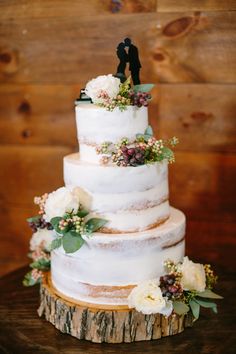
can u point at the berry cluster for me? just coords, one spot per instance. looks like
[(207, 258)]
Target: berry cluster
[(129, 156), (40, 201), (39, 254), (119, 101), (139, 99), (36, 274), (74, 221), (211, 278), (170, 286), (40, 223)]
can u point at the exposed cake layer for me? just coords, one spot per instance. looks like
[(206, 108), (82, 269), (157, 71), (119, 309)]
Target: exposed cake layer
[(106, 268), (96, 125), (130, 198)]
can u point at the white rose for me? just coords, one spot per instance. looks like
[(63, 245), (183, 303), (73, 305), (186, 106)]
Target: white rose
[(42, 238), (147, 298), (105, 83), (193, 275), (60, 202)]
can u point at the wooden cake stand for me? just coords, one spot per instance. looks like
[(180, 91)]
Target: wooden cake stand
[(110, 324)]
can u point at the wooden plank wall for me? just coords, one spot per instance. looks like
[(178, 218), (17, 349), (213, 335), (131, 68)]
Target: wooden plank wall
[(48, 51)]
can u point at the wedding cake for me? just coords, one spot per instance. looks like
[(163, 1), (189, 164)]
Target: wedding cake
[(142, 230), (109, 236)]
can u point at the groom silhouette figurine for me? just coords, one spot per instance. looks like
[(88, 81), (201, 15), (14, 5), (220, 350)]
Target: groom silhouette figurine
[(134, 63)]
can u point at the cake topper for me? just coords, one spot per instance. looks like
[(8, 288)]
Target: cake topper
[(83, 98), (128, 53)]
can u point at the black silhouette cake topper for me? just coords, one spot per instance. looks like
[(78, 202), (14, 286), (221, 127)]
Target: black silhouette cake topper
[(127, 52)]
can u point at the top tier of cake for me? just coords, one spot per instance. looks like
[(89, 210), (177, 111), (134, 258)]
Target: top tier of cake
[(96, 125)]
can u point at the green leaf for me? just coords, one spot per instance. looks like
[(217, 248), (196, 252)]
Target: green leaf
[(167, 153), (72, 241), (209, 294), (56, 243), (82, 213), (94, 224), (180, 307), (41, 264), (195, 308), (207, 304), (55, 223), (34, 218), (143, 87), (29, 281), (149, 131)]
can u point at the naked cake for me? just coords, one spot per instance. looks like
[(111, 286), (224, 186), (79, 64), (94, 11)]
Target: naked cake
[(114, 244)]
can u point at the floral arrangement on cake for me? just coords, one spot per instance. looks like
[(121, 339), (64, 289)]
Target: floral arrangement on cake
[(186, 286), (108, 91), (143, 150), (61, 221)]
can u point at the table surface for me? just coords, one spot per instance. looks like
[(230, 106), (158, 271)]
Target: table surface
[(22, 331)]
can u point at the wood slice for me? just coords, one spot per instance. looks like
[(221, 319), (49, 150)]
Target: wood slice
[(111, 325)]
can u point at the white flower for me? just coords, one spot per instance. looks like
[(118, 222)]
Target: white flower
[(42, 238), (107, 84), (147, 298), (193, 275), (60, 202)]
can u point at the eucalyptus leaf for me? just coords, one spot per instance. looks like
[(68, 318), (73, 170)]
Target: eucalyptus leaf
[(55, 223), (195, 308), (41, 264), (34, 218), (29, 281), (209, 294), (56, 243), (180, 307), (82, 213), (143, 87), (94, 224), (149, 131), (207, 304), (167, 153), (72, 241)]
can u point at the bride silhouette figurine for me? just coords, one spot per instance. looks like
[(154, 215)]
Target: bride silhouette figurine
[(132, 57), (123, 57)]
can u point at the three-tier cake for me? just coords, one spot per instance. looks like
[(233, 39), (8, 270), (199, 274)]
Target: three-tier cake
[(107, 248), (142, 230)]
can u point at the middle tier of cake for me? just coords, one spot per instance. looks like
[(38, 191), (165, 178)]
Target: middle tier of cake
[(131, 198)]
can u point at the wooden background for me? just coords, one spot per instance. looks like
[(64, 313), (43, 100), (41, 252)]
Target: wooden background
[(48, 51)]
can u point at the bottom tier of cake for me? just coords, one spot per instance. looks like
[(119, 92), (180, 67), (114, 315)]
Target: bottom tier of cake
[(108, 266)]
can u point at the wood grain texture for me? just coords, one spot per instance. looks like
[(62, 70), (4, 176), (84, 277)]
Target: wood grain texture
[(203, 184), (30, 113), (70, 8), (195, 5), (202, 116), (105, 325), (182, 47), (22, 331)]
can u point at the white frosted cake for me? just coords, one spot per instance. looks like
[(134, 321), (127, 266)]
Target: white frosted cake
[(142, 230), (107, 247)]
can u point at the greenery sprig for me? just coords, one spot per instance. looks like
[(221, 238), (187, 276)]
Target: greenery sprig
[(144, 149), (188, 300), (137, 95), (72, 227)]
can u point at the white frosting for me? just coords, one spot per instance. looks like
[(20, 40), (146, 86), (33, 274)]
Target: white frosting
[(135, 220), (96, 125), (130, 198), (118, 260), (112, 179)]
